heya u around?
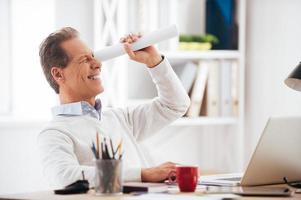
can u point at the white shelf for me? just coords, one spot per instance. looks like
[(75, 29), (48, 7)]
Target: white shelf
[(199, 121), (196, 121), (210, 54)]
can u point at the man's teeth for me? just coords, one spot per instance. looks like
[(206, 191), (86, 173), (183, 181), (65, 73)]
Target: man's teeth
[(94, 77)]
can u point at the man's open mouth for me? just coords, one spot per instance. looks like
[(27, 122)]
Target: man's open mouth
[(94, 77)]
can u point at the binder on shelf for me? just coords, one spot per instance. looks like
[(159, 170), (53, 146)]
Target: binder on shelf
[(235, 88), (198, 90), (203, 112), (225, 88), (186, 73), (213, 89)]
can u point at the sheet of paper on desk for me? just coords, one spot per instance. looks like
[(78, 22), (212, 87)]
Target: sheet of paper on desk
[(151, 196), (175, 188)]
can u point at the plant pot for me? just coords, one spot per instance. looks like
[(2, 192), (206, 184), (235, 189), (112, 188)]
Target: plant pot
[(195, 46)]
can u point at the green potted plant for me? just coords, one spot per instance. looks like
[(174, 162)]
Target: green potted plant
[(197, 42)]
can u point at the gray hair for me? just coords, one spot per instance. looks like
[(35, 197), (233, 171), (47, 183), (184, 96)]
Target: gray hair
[(52, 54)]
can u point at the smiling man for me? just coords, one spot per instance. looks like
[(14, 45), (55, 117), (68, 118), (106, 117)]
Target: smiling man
[(74, 73)]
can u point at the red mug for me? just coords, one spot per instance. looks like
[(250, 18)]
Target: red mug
[(186, 177)]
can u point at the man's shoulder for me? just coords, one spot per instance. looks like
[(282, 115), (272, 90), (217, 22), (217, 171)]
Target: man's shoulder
[(61, 120), (63, 123)]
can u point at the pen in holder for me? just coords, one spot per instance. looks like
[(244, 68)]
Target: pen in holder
[(108, 167)]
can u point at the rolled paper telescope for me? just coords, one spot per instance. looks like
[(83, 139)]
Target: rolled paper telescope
[(145, 41)]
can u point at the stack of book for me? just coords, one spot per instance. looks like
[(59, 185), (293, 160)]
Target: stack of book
[(212, 86)]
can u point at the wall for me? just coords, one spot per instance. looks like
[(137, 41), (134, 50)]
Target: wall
[(273, 50), (20, 170), (31, 21), (77, 14), (5, 75)]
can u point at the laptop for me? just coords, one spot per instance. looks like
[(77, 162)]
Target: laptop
[(277, 155)]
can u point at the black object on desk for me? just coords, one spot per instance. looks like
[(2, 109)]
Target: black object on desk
[(294, 184), (139, 188), (78, 187)]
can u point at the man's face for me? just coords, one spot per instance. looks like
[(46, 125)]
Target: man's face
[(82, 74)]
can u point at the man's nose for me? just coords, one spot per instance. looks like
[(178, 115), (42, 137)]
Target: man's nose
[(96, 64)]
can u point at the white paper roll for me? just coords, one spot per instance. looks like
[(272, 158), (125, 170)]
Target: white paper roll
[(145, 41)]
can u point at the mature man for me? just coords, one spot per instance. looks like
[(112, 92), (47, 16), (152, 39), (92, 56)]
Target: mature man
[(74, 73)]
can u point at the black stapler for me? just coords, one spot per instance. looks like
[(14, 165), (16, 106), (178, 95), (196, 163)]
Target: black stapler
[(79, 186)]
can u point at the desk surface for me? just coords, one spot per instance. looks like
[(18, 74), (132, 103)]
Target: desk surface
[(199, 194)]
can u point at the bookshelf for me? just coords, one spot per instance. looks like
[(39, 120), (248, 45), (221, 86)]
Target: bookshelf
[(198, 121), (126, 83), (198, 55), (227, 131), (152, 15), (124, 91)]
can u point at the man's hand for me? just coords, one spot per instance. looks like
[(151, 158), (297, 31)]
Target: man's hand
[(148, 55), (159, 173)]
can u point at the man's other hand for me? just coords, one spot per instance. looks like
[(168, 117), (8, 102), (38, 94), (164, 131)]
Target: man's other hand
[(159, 173), (148, 55)]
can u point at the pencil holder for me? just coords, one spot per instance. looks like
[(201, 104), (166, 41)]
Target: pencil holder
[(108, 177)]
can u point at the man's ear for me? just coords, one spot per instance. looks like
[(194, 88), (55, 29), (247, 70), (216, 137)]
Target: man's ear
[(57, 74)]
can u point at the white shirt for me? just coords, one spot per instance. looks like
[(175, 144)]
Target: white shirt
[(65, 144)]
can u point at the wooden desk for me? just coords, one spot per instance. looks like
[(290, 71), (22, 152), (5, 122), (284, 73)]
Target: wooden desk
[(90, 196)]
